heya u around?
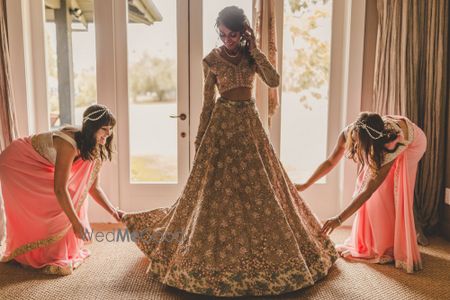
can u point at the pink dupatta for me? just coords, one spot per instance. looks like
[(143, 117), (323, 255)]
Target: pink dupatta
[(38, 233)]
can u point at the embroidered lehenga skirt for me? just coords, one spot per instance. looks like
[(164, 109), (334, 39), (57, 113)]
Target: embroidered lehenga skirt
[(239, 226)]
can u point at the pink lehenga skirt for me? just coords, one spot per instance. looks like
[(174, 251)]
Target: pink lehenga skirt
[(383, 230), (240, 226), (38, 233)]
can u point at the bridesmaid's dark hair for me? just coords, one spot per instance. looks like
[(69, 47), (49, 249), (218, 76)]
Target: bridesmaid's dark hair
[(367, 139), (95, 117), (234, 18)]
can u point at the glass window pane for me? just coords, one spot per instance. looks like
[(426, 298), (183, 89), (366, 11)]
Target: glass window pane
[(152, 91), (71, 61), (306, 72)]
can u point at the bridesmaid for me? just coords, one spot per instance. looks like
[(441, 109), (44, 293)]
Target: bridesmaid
[(388, 150), (45, 180)]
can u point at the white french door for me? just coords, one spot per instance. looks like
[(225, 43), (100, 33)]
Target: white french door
[(154, 150), (153, 103)]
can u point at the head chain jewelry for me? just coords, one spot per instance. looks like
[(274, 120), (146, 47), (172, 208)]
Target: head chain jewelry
[(369, 130), (102, 112)]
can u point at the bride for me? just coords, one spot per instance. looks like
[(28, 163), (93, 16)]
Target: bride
[(245, 229)]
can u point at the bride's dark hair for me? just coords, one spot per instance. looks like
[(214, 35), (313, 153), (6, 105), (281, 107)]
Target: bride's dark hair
[(234, 18)]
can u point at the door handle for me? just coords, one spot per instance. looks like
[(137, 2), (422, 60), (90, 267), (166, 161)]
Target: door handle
[(182, 117)]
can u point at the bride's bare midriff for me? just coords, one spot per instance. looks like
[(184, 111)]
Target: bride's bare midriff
[(238, 94)]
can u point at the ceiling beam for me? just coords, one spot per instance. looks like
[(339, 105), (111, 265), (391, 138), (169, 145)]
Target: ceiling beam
[(53, 4)]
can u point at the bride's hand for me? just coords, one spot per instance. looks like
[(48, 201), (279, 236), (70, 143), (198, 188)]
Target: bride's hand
[(249, 35)]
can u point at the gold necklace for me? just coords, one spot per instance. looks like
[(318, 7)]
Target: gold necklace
[(229, 55)]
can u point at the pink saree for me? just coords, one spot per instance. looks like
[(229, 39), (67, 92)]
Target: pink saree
[(38, 233), (383, 230)]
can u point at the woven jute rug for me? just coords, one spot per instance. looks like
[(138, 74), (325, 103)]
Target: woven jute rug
[(116, 270)]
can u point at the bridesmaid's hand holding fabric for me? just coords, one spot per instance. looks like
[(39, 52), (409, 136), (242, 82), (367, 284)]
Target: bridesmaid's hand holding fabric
[(330, 225), (118, 214), (301, 187)]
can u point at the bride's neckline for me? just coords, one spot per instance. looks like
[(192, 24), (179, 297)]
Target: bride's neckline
[(217, 52)]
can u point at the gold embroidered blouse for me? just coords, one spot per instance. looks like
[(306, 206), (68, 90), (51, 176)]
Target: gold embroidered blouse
[(219, 72), (43, 143)]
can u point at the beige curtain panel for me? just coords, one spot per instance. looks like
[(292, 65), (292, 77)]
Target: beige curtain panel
[(411, 79)]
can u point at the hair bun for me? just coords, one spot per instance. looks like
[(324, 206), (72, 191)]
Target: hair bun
[(232, 17)]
